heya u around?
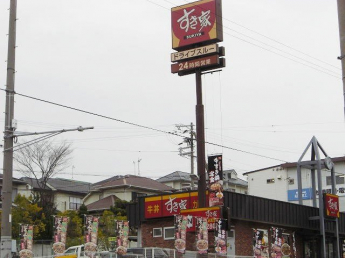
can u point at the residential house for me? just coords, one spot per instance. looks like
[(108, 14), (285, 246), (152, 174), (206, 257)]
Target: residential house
[(280, 182), (232, 183), (178, 180), (129, 187), (68, 194), (18, 186)]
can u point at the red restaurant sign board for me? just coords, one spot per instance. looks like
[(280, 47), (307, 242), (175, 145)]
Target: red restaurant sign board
[(169, 205), (331, 203), (196, 23), (211, 213), (203, 62)]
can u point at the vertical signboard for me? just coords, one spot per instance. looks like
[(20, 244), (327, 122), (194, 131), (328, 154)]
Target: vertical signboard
[(195, 23), (331, 203), (215, 177), (201, 235), (180, 233), (91, 225), (26, 241), (220, 237), (280, 243), (60, 234), (122, 229), (260, 243)]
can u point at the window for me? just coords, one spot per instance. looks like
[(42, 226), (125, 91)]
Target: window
[(291, 181), (157, 232), (339, 180), (169, 233), (74, 203), (270, 181)]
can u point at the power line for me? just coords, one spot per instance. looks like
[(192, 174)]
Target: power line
[(137, 125)]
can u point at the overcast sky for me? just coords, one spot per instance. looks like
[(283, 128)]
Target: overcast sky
[(281, 85)]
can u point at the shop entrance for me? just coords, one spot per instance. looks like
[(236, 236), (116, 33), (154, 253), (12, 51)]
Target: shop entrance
[(312, 249)]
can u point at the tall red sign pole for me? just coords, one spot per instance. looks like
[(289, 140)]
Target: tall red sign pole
[(200, 140), (196, 29)]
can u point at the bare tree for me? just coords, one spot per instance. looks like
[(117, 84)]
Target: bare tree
[(41, 161)]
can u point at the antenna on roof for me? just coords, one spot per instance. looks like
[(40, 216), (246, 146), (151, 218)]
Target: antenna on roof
[(139, 166)]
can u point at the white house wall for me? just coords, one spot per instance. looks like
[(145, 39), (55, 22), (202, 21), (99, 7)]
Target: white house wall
[(284, 190), (258, 186)]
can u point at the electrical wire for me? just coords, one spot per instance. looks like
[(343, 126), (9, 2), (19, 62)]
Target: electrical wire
[(137, 125)]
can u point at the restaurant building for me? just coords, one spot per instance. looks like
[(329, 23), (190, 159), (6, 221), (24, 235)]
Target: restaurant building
[(256, 226)]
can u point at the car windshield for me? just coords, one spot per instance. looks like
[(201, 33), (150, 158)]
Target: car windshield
[(70, 251)]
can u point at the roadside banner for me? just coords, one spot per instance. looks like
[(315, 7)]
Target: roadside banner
[(122, 229), (60, 235), (215, 175), (91, 225), (280, 245), (180, 233), (260, 243), (220, 237), (26, 241), (201, 235)]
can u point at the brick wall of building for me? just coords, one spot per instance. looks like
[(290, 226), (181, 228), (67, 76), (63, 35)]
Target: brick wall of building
[(243, 236)]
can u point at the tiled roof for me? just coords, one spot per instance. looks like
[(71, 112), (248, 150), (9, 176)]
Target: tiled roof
[(61, 184), (102, 204), (292, 165), (175, 176), (237, 181), (14, 180), (132, 181)]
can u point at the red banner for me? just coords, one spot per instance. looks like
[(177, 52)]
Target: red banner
[(212, 214), (170, 204), (331, 203)]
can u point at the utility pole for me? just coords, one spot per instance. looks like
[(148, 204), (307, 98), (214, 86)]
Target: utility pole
[(341, 21), (190, 143), (6, 217)]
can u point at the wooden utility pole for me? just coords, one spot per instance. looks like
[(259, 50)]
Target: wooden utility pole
[(6, 218), (341, 20)]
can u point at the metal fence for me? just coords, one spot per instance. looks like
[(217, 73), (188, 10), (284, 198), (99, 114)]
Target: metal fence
[(153, 252)]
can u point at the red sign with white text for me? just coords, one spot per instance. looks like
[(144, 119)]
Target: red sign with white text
[(172, 204), (211, 213), (195, 23), (153, 207), (331, 203)]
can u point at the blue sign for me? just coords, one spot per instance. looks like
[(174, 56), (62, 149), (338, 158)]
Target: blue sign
[(306, 194)]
